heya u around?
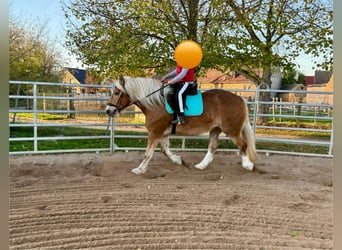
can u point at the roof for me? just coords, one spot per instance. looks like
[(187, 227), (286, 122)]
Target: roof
[(215, 76), (79, 74), (309, 80), (322, 76)]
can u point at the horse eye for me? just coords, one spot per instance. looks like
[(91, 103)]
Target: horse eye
[(117, 93)]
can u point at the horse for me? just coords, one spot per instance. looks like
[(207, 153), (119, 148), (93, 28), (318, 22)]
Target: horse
[(223, 111)]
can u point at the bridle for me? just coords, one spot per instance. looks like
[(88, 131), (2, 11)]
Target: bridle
[(117, 105)]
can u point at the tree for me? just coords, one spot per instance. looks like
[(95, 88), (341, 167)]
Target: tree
[(291, 76), (268, 34), (132, 36), (32, 55), (246, 35)]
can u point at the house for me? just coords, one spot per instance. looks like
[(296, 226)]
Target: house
[(75, 76), (82, 76), (321, 98), (309, 80), (289, 96), (322, 76), (232, 81)]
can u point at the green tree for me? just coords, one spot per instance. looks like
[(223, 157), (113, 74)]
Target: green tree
[(32, 55), (291, 76), (272, 33), (247, 35), (132, 36)]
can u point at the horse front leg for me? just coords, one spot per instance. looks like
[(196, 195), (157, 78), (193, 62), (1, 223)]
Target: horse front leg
[(151, 145), (213, 144), (165, 148)]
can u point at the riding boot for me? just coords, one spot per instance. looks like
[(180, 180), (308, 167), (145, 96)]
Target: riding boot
[(178, 116), (181, 119)]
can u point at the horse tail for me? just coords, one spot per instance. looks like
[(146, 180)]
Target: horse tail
[(249, 136)]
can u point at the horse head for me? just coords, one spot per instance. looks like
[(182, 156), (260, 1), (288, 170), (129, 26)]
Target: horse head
[(119, 98)]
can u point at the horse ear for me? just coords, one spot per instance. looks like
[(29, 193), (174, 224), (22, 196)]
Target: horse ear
[(122, 80)]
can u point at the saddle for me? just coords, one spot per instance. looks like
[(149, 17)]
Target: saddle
[(192, 99)]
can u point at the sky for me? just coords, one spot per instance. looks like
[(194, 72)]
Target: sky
[(51, 11)]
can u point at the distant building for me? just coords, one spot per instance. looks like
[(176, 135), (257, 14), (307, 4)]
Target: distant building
[(322, 76), (310, 80), (82, 76), (290, 96), (231, 80), (321, 98), (75, 76), (323, 81)]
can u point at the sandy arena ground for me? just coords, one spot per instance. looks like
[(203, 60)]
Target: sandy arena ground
[(93, 201)]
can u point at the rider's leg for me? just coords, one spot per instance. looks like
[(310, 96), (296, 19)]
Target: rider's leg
[(180, 103)]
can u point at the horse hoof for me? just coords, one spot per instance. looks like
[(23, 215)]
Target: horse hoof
[(179, 161), (137, 171), (250, 168), (246, 163), (200, 167)]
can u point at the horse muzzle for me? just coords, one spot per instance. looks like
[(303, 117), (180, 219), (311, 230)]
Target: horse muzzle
[(111, 110)]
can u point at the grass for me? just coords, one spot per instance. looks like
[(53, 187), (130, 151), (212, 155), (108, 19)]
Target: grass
[(299, 133), (40, 116)]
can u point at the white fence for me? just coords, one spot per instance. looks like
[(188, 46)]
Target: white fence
[(299, 123)]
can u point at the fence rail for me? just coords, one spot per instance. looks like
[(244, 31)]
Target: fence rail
[(30, 99)]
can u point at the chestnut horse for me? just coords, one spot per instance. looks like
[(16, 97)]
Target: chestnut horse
[(223, 111)]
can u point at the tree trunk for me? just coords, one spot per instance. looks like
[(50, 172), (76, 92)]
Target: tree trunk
[(299, 111), (264, 96), (71, 106), (192, 19)]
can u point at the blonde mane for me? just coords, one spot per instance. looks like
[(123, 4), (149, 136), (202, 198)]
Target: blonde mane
[(138, 88)]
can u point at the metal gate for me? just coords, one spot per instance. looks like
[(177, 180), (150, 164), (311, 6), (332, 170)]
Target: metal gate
[(29, 101)]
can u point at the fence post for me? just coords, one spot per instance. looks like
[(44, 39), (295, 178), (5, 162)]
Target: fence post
[(280, 108), (112, 134), (331, 139), (273, 109), (44, 102), (256, 107), (35, 119), (112, 127)]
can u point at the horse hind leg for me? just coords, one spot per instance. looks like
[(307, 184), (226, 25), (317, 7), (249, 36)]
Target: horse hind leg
[(213, 144), (241, 143), (165, 148)]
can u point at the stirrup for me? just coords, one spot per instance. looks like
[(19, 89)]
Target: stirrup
[(179, 120), (176, 121)]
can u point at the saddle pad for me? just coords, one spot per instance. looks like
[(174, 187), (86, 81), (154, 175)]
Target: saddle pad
[(193, 107)]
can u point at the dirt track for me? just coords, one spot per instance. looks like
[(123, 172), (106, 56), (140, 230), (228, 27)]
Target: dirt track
[(93, 201)]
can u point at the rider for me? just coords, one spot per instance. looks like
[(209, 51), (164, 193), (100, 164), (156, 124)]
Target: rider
[(181, 79)]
